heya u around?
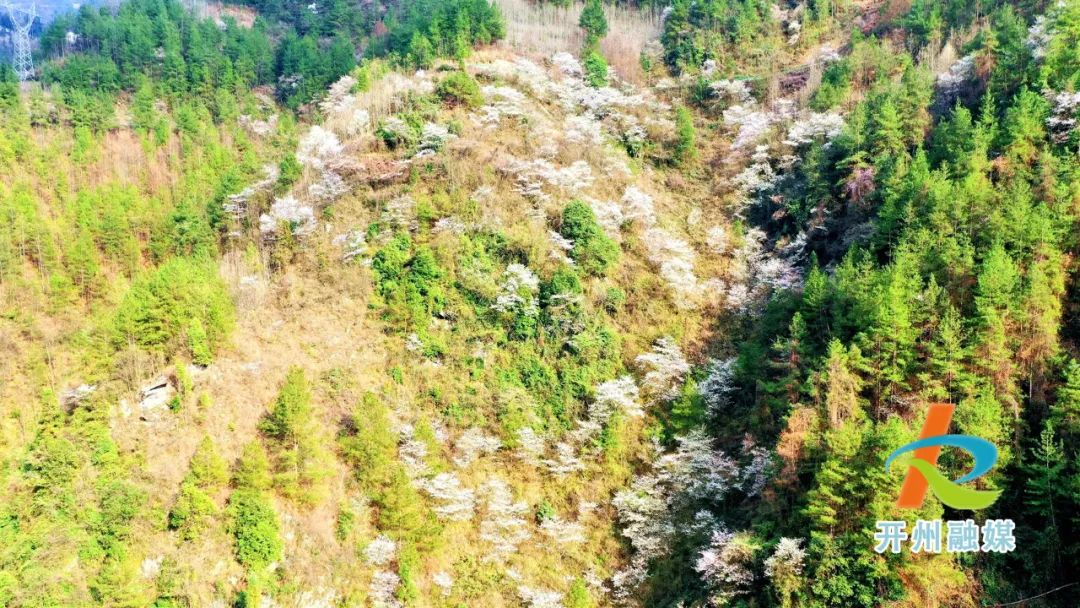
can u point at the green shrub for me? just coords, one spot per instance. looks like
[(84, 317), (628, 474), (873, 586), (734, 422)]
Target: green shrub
[(593, 251), (255, 528), (389, 262), (253, 469), (614, 299), (460, 89), (198, 344), (9, 584), (300, 458), (119, 502), (290, 171), (421, 52), (346, 523), (51, 468), (408, 569), (596, 69), (9, 98), (292, 409), (398, 133), (159, 308), (53, 462), (409, 280), (563, 281), (578, 596), (208, 468), (362, 74), (372, 448), (685, 147), (184, 383), (834, 88), (250, 597), (544, 511), (524, 327), (645, 60), (193, 512)]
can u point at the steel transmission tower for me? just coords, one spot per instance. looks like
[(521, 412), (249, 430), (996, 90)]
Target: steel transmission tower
[(22, 19)]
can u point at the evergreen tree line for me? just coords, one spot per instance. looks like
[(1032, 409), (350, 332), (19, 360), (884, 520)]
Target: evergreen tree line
[(297, 49), (941, 241)]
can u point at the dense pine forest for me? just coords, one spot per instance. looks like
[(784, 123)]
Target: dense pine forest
[(459, 303)]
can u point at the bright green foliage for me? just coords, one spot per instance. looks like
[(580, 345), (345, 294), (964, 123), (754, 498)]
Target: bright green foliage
[(593, 250), (9, 87), (614, 299), (253, 469), (208, 468), (596, 69), (685, 146), (345, 524), (145, 116), (687, 411), (371, 448), (421, 54), (362, 74), (299, 458), (92, 113), (291, 410), (254, 525), (195, 509), (460, 89), (578, 596), (184, 385), (408, 279), (396, 138), (193, 512), (160, 306), (953, 140), (408, 571), (564, 280), (401, 511), (835, 85), (119, 503), (290, 171), (1066, 412), (198, 343), (1048, 498)]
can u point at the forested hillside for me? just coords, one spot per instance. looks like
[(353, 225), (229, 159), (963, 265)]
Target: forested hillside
[(457, 303)]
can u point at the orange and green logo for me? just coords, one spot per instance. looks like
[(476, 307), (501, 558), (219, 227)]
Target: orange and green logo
[(923, 474)]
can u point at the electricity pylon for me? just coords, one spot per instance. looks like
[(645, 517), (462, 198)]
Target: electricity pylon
[(22, 19)]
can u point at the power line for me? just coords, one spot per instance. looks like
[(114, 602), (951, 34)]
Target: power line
[(1034, 597)]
